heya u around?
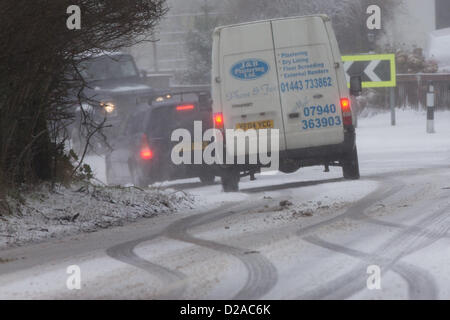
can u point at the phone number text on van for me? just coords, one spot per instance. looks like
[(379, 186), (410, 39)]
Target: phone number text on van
[(301, 85), (322, 117)]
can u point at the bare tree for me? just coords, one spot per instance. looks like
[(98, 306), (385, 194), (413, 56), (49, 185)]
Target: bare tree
[(39, 58), (199, 45)]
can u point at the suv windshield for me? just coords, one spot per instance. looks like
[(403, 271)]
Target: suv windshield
[(106, 67)]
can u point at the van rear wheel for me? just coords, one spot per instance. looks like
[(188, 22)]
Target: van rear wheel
[(230, 180), (350, 166)]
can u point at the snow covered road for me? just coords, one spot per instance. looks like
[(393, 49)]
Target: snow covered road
[(308, 235)]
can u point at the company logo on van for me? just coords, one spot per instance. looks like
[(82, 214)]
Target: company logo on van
[(249, 69)]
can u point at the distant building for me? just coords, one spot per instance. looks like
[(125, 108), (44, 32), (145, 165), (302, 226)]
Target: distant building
[(168, 54), (410, 28), (414, 20), (442, 14)]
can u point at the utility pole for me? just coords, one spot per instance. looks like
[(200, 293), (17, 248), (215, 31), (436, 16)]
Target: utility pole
[(392, 103), (430, 108)]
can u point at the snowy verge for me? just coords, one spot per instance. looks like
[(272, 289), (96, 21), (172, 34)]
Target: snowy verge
[(63, 211)]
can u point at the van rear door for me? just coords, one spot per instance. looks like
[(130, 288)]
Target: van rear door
[(250, 95), (309, 88)]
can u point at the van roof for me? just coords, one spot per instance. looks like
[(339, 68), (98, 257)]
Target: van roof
[(322, 16)]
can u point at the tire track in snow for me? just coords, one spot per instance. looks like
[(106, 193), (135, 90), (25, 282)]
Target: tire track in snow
[(414, 230), (387, 189), (173, 281), (124, 252), (357, 209), (421, 285), (261, 273), (414, 238)]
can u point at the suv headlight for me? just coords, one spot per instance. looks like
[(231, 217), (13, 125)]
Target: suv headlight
[(108, 106)]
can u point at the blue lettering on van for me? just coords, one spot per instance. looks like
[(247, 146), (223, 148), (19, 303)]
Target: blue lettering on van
[(301, 85), (320, 116), (249, 69)]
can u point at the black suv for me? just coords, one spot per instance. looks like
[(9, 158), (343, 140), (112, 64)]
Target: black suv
[(114, 91), (143, 154)]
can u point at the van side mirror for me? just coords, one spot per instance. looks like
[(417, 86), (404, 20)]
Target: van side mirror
[(355, 85)]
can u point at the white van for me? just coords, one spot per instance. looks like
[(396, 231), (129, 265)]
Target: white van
[(285, 74)]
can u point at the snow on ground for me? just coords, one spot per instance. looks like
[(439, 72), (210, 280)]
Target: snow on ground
[(306, 205), (314, 196), (382, 148), (385, 148), (375, 134), (97, 164), (47, 213)]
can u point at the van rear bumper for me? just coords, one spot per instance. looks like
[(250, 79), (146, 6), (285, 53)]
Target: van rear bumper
[(323, 154), (309, 156)]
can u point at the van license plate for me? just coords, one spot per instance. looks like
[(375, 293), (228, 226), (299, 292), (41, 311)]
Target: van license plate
[(266, 124), (199, 146)]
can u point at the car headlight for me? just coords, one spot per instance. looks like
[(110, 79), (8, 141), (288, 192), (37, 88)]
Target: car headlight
[(163, 98), (108, 106)]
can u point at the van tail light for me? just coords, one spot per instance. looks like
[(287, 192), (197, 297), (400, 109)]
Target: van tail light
[(146, 153), (218, 121), (186, 107), (346, 112)]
